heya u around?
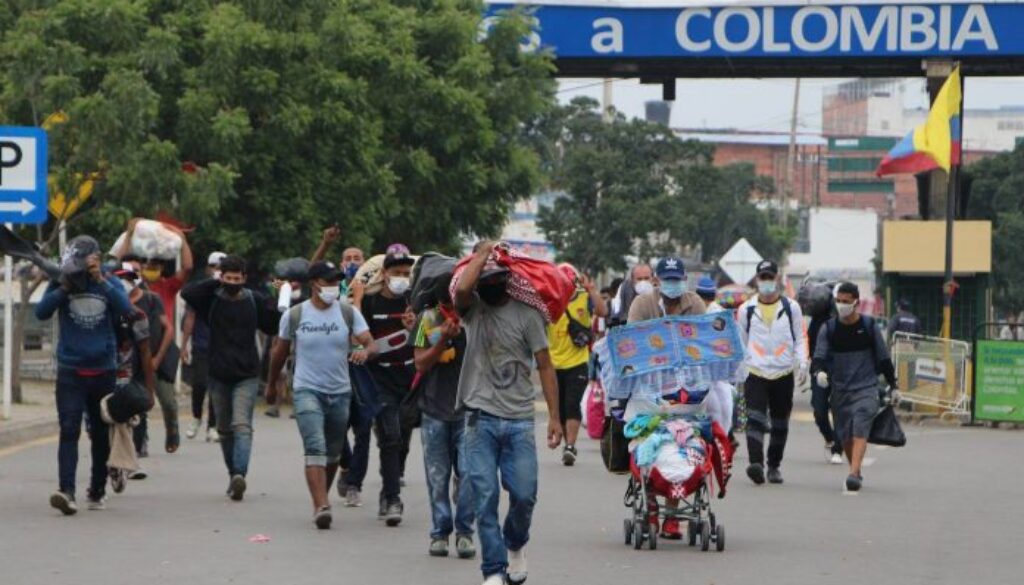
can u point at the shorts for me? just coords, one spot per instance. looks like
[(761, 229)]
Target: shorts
[(323, 423), (853, 411), (572, 383)]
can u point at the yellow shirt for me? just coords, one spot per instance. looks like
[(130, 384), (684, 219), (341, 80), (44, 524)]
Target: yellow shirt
[(768, 312), (564, 353)]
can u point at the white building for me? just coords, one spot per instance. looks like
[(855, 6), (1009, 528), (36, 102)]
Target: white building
[(843, 244)]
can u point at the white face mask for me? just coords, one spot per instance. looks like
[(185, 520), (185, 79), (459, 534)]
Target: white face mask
[(398, 285), (845, 309), (643, 287), (296, 294), (127, 285), (767, 287), (216, 274), (329, 294)]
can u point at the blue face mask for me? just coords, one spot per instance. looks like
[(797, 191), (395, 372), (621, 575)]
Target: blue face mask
[(673, 289), (350, 271), (767, 287)]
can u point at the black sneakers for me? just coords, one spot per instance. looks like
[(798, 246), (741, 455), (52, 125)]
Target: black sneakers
[(236, 489), (755, 471), (853, 483), (64, 502), (569, 455)]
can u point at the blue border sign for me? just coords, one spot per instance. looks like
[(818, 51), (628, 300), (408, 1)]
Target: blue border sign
[(23, 171), (773, 30)]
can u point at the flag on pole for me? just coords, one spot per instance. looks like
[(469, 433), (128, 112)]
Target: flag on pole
[(934, 144)]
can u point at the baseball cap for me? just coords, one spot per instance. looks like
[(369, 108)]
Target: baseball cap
[(706, 286), (324, 271), (398, 258), (127, 269), (767, 267), (670, 267), (215, 258)]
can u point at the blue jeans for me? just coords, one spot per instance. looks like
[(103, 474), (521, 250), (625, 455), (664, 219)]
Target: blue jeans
[(77, 396), (323, 421), (234, 404), (443, 458), (507, 446)]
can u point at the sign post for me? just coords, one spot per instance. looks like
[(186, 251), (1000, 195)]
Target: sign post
[(23, 200)]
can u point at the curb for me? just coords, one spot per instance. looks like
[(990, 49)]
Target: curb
[(25, 431)]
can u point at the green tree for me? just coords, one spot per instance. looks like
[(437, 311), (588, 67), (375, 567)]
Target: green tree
[(633, 188), (996, 189)]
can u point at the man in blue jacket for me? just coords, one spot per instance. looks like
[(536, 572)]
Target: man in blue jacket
[(88, 305)]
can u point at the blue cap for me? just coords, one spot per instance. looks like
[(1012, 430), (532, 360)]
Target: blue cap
[(670, 267), (706, 286)]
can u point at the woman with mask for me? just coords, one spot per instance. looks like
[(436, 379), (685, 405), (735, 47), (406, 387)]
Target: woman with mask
[(322, 331), (772, 330)]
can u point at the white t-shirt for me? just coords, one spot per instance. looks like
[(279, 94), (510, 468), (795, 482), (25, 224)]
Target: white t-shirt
[(322, 347)]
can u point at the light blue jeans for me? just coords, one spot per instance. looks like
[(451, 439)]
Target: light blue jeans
[(507, 446), (234, 404), (443, 458), (322, 420)]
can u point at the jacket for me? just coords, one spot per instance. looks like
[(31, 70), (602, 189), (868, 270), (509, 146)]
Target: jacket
[(649, 306), (771, 352)]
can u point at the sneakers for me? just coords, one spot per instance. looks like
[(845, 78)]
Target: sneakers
[(439, 547), (670, 529), (172, 441), (569, 455), (273, 412), (144, 451), (137, 475), (517, 566), (117, 480), (755, 471), (236, 489), (212, 436), (774, 475), (96, 503), (393, 513), (854, 482), (193, 428), (835, 459), (494, 580), (353, 499), (64, 502), (464, 546), (323, 518), (342, 483)]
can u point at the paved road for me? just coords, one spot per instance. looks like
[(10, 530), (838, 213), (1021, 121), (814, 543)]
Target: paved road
[(946, 509)]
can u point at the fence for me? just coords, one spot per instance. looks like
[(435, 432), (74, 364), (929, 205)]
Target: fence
[(933, 373)]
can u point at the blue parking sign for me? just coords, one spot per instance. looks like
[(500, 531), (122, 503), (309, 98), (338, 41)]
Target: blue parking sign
[(23, 171)]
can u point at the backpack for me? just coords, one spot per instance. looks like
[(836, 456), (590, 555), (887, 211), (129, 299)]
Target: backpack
[(786, 310)]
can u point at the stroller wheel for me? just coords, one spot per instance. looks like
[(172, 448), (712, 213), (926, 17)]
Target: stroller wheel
[(714, 523), (705, 536), (652, 536), (691, 532), (720, 538), (638, 535), (627, 528)]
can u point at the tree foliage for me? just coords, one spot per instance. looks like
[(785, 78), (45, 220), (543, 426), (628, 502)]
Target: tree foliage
[(996, 195), (388, 117), (633, 188)]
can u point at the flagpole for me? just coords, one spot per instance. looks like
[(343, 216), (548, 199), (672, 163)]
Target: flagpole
[(952, 184)]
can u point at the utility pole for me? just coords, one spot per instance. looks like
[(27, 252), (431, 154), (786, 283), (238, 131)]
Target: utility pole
[(787, 191), (606, 100)]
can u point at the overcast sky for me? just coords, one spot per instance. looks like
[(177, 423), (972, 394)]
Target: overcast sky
[(765, 105)]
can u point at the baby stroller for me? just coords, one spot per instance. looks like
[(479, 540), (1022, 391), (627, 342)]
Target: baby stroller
[(649, 490)]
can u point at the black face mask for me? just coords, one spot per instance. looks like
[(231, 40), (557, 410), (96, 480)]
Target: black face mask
[(232, 289), (492, 294)]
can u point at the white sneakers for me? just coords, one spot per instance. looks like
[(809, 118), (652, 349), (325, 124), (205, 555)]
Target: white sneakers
[(836, 459), (494, 580), (517, 566), (212, 436), (193, 428)]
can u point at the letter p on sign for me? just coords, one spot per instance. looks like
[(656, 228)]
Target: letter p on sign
[(23, 169)]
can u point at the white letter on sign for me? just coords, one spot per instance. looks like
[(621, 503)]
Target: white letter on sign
[(923, 26), (753, 29), (683, 32), (853, 22), (831, 29), (607, 41), (975, 15), (768, 33)]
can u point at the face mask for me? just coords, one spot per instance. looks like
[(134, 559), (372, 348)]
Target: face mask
[(215, 275), (673, 288), (129, 285), (350, 270), (492, 294), (232, 289), (767, 287), (643, 287), (296, 294), (398, 285), (329, 294), (845, 309), (151, 274)]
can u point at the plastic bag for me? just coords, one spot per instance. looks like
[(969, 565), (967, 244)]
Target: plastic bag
[(886, 429), (615, 447), (594, 409), (431, 275), (151, 239)]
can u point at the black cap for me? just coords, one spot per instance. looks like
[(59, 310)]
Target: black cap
[(323, 271), (398, 259), (767, 267)]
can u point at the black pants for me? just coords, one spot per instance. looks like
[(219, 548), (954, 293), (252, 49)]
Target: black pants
[(572, 384), (768, 400), (390, 442), (199, 374)]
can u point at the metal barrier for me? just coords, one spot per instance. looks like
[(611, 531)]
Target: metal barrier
[(933, 373)]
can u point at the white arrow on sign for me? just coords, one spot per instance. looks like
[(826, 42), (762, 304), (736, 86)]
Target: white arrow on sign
[(24, 206)]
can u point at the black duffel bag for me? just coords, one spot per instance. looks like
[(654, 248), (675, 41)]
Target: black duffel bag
[(127, 401), (615, 446)]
